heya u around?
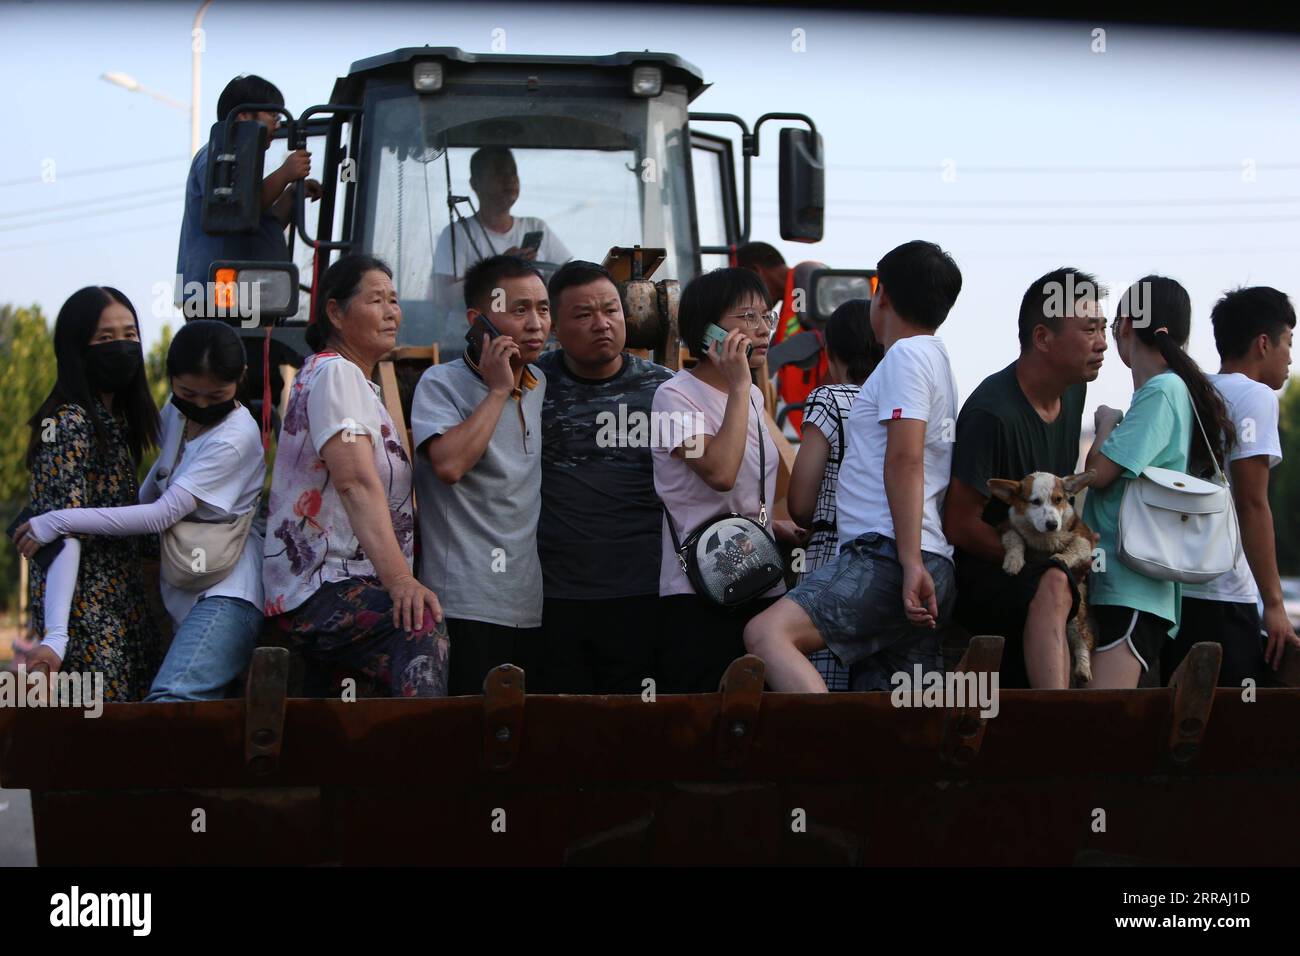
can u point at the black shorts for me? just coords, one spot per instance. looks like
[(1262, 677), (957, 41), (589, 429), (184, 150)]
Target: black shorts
[(598, 647), (477, 647), (1146, 635), (698, 640), (990, 601), (1236, 627)]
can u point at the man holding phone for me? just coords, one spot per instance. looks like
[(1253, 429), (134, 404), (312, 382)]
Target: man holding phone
[(491, 231), (476, 427)]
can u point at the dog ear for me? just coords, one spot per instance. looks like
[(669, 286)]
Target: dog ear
[(1075, 482), (1004, 489)]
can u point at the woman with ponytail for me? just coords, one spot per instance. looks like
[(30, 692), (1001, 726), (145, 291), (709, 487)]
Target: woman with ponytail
[(1134, 613)]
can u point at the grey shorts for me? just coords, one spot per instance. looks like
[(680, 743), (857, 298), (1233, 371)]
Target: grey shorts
[(856, 604)]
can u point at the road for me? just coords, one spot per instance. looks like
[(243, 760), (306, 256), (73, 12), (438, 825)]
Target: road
[(17, 841)]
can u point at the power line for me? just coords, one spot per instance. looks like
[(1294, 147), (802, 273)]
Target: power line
[(1046, 170), (77, 217), (92, 171), (90, 235), (80, 204), (1050, 203), (1109, 223)]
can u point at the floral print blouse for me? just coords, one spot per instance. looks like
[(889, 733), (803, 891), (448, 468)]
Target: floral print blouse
[(309, 537)]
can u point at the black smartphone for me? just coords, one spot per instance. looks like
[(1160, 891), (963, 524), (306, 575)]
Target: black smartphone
[(474, 337), (532, 240), (45, 555)]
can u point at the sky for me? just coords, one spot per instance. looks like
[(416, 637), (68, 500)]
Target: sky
[(1017, 146)]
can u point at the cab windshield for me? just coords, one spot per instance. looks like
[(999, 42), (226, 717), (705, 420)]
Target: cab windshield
[(568, 176)]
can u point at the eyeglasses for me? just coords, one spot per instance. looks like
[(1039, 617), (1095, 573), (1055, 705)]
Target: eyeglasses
[(756, 319)]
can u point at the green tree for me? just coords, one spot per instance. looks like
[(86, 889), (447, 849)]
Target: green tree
[(155, 363), (27, 372), (1284, 484)]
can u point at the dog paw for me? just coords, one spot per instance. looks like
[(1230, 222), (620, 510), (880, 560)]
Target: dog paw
[(1013, 564), (1083, 671)]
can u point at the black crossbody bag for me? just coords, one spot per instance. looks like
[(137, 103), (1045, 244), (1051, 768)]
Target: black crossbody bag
[(731, 559)]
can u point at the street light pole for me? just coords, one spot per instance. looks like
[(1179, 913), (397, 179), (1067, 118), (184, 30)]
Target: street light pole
[(197, 44)]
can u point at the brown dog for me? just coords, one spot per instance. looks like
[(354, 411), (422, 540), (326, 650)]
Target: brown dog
[(1042, 523)]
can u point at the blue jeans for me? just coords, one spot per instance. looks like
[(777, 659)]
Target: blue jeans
[(211, 648)]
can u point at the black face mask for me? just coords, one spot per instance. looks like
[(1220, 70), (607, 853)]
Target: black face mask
[(112, 365), (204, 416)]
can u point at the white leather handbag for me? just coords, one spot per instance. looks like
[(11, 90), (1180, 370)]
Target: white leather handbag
[(1174, 527)]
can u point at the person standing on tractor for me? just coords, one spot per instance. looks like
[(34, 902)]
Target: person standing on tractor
[(197, 249), (794, 384)]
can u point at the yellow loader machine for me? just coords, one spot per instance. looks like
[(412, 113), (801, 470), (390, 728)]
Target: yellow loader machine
[(612, 167)]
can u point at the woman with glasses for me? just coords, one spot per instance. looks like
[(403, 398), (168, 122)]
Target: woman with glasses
[(708, 464)]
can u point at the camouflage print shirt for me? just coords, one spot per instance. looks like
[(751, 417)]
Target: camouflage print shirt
[(598, 536)]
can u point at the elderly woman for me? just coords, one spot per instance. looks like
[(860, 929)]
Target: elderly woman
[(339, 540)]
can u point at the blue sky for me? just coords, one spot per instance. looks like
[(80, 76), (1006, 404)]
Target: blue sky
[(1174, 152)]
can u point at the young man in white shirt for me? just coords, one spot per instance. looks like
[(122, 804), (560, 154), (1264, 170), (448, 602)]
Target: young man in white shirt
[(879, 604), (491, 231), (1252, 332)]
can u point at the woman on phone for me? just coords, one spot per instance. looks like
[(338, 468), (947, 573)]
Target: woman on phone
[(710, 466), (211, 470), (86, 441)]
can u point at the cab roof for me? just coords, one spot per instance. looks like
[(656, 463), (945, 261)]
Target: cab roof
[(676, 70)]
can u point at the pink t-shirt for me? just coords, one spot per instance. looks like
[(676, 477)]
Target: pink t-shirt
[(684, 407)]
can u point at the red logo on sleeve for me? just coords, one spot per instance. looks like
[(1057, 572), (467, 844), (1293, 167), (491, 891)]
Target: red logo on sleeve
[(898, 413)]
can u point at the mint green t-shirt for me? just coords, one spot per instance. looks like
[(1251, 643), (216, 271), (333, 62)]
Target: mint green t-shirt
[(1156, 430)]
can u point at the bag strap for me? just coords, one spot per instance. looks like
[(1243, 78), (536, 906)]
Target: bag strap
[(762, 488), (1214, 459)]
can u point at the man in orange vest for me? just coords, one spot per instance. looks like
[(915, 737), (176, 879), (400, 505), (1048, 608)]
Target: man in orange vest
[(793, 383)]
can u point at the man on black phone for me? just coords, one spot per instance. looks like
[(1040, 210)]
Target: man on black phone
[(476, 427), (491, 231)]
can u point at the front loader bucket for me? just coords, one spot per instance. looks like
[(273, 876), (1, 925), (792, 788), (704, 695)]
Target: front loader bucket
[(739, 776)]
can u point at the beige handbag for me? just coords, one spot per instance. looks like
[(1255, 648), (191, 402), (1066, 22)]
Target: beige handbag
[(197, 554)]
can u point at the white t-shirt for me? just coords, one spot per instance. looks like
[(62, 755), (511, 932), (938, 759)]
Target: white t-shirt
[(914, 381), (474, 242), (224, 467), (1253, 409), (684, 407)]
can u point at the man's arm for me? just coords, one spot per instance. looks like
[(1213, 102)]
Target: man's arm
[(964, 525), (455, 452), (1250, 492), (905, 492), (296, 166)]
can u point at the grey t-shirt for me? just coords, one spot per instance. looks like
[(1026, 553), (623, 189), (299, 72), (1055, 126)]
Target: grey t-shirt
[(478, 537)]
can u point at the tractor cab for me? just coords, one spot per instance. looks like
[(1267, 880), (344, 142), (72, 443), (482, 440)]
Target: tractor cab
[(587, 153)]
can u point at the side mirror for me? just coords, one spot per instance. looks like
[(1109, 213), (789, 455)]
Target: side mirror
[(232, 194), (251, 294), (831, 288), (802, 179)]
